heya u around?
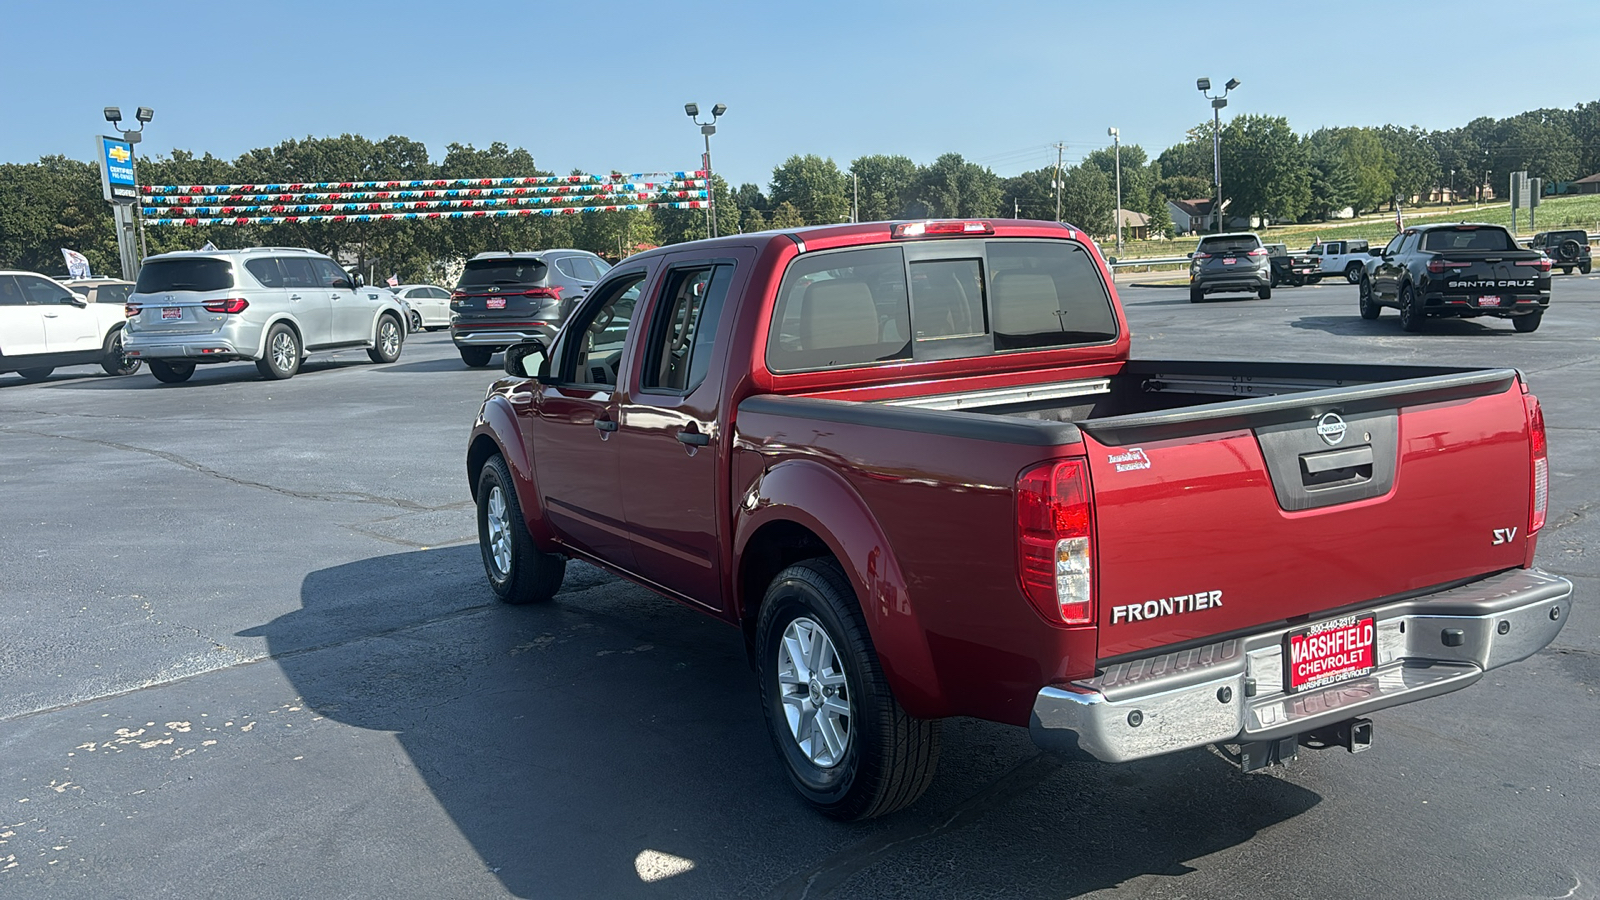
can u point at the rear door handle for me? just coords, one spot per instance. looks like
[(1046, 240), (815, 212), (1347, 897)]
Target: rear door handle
[(693, 438), (605, 426), (294, 296)]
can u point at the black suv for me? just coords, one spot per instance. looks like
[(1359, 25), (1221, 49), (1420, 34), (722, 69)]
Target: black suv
[(1567, 250), (503, 298)]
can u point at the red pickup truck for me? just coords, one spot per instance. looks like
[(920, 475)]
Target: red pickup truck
[(915, 464)]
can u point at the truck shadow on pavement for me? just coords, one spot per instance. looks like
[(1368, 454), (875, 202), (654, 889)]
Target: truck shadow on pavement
[(610, 744), (1385, 326)]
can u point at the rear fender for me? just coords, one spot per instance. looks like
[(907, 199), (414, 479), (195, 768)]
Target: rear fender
[(814, 496), (495, 432), (261, 342)]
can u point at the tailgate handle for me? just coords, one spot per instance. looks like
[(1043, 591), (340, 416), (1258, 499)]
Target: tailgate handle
[(1355, 462)]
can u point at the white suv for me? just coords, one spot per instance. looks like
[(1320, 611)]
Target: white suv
[(43, 326), (268, 304)]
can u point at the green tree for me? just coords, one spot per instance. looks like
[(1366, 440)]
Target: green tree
[(53, 204), (884, 183), (1369, 162), (1264, 170), (1538, 142), (812, 186), (953, 188), (785, 215), (1031, 195), (1087, 200), (1185, 187), (1416, 161), (752, 221), (1332, 180), (1139, 174), (1192, 158)]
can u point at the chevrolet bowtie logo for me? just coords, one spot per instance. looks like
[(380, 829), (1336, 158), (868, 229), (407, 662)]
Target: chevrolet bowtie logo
[(120, 154)]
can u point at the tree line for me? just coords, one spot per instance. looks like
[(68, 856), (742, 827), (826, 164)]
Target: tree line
[(1267, 170)]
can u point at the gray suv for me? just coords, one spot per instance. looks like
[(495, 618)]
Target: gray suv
[(506, 298), (1227, 263), (268, 304)]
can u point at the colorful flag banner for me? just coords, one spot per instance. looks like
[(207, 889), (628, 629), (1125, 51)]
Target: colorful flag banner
[(631, 187), (77, 263), (305, 208), (458, 214), (396, 185)]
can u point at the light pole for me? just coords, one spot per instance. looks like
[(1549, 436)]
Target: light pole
[(1116, 140), (708, 129), (1217, 104), (133, 136)]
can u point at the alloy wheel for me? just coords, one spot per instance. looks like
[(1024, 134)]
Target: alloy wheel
[(814, 692), (499, 521)]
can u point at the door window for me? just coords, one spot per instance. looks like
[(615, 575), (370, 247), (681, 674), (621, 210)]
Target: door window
[(1394, 245), (330, 275), (684, 328), (297, 273), (592, 342), (43, 292), (266, 271), (11, 292)]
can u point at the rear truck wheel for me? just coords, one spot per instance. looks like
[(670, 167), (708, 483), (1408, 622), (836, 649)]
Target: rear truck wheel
[(1297, 281), (283, 354), (1566, 270), (1272, 280), (1353, 272), (416, 321), (519, 572), (1584, 267), (476, 357), (1316, 279), (1369, 304), (114, 361), (1411, 314), (849, 749), (38, 374), (1196, 295), (171, 372), (1527, 321), (1264, 293), (390, 339)]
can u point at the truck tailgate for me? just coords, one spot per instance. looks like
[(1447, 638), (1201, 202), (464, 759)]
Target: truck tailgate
[(1225, 518)]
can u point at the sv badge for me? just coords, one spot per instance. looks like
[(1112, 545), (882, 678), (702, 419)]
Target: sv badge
[(1504, 535)]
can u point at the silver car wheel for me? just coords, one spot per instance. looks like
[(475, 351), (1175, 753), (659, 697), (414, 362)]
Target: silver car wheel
[(814, 691), (389, 337), (499, 520), (283, 351)]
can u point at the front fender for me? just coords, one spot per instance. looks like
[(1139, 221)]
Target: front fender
[(497, 431), (816, 497)]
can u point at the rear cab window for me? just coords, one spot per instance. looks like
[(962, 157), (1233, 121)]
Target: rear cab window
[(937, 300), (1447, 239), (199, 275)]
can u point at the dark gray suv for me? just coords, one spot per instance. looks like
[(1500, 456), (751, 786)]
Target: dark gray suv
[(1226, 263), (504, 298)]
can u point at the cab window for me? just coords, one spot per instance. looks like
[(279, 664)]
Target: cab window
[(684, 328), (592, 341)]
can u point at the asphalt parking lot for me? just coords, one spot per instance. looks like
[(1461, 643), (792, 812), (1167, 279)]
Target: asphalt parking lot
[(247, 651)]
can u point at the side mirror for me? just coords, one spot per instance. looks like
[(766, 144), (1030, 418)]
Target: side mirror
[(76, 300), (357, 281), (527, 359)]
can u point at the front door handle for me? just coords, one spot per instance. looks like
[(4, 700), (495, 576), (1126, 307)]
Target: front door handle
[(693, 438), (295, 297), (605, 426)]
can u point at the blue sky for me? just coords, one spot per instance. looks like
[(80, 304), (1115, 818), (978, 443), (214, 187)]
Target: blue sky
[(601, 85)]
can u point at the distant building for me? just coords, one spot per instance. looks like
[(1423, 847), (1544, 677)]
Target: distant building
[(1135, 225), (1590, 185)]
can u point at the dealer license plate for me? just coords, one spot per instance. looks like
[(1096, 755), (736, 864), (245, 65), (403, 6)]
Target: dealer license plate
[(496, 303), (1489, 301), (1330, 652), (1228, 260), (171, 312)]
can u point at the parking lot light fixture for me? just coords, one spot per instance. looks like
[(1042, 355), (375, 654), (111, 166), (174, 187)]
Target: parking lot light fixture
[(145, 114), (113, 115), (708, 129), (1217, 104)]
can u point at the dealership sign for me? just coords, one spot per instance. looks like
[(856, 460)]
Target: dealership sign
[(116, 169)]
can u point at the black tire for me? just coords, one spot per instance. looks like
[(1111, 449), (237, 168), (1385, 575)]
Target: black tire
[(416, 321), (1566, 270), (1353, 273), (1272, 280), (1315, 279), (114, 362), (518, 571), (171, 372), (36, 374), (1527, 321), (888, 757), (1411, 313), (1584, 267), (1264, 293), (1297, 281), (476, 357), (391, 338), (1369, 304), (282, 359), (1196, 295)]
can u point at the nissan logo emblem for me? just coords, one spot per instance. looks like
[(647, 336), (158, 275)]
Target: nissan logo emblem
[(1331, 429)]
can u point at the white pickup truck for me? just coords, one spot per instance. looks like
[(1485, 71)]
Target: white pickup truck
[(1348, 258)]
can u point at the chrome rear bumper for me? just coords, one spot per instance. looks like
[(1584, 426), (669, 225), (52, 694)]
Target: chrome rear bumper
[(1232, 691)]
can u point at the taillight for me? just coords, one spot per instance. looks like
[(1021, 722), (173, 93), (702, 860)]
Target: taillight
[(1542, 263), (1054, 543), (1259, 251), (1199, 255), (458, 297), (130, 310), (1539, 451), (232, 305), (1439, 265), (544, 293), (934, 229)]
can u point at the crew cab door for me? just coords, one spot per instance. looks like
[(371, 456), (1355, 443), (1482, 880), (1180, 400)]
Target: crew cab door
[(1386, 270), (309, 301), (68, 327), (21, 325), (573, 445), (671, 443)]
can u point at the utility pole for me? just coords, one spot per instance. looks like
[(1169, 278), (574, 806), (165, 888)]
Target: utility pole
[(1217, 104), (855, 198), (1116, 140), (1059, 149), (1016, 208)]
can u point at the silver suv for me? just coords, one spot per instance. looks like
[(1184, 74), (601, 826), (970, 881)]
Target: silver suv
[(1224, 263), (267, 304)]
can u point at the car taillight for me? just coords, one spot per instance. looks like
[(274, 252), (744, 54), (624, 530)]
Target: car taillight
[(1054, 543), (1199, 255), (458, 297), (1542, 263), (130, 310), (1539, 451), (1259, 251), (231, 305), (1439, 265), (544, 293), (935, 229)]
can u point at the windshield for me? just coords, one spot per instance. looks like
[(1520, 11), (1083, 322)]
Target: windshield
[(169, 275), (498, 272), (1468, 239)]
